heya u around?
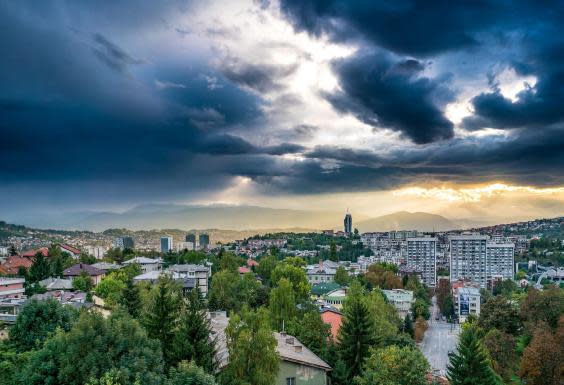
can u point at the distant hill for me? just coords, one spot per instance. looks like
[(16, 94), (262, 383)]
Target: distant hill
[(404, 220)]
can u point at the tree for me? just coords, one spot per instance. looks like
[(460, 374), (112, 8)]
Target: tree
[(111, 288), (266, 266), (470, 365), (38, 320), (95, 346), (161, 314), (333, 252), (231, 291), (395, 365), (192, 339), (229, 262), (501, 347), (384, 316), (83, 282), (442, 292), (40, 268), (356, 334), (282, 304), (188, 373), (408, 326), (341, 276), (541, 363), (13, 250), (420, 308), (383, 276), (253, 359), (420, 329), (296, 276), (505, 288), (131, 298), (546, 306), (501, 314), (311, 331)]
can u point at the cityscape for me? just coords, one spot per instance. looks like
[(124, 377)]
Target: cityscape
[(282, 192)]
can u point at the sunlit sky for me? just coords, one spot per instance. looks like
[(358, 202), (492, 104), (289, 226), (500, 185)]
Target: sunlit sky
[(454, 109)]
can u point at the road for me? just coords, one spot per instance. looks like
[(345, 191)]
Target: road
[(440, 338)]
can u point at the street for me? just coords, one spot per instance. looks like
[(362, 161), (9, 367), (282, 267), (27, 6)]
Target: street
[(440, 338)]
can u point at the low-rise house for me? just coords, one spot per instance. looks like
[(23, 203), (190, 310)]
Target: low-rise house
[(76, 299), (320, 289), (199, 273), (320, 273), (13, 264), (12, 288), (72, 251), (332, 317), (243, 270), (76, 270), (147, 264), (251, 263), (298, 365), (107, 266), (401, 299), (336, 298), (31, 253), (55, 283)]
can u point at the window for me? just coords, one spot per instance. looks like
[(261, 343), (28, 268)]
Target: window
[(290, 380)]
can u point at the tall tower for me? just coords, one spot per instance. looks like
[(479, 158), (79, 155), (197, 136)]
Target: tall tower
[(348, 224)]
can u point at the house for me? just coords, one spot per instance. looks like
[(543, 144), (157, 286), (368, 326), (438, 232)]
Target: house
[(15, 262), (72, 251), (251, 263), (12, 288), (31, 253), (199, 273), (321, 273), (55, 283), (298, 365), (332, 317), (147, 264), (401, 299), (320, 289), (244, 270), (335, 298), (76, 270), (76, 299), (107, 266)]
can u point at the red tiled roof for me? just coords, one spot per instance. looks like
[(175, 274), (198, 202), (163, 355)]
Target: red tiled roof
[(73, 250), (252, 262), (14, 262), (31, 253), (243, 270)]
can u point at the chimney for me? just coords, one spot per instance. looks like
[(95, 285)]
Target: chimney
[(283, 333), (290, 341), (298, 348)]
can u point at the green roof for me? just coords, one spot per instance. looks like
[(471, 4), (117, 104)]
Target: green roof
[(324, 288)]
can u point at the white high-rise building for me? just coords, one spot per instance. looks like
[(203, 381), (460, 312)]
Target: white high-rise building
[(468, 258), (422, 257), (166, 244), (500, 260)]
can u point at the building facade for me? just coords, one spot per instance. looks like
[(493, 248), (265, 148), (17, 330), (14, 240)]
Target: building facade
[(124, 243), (348, 224), (422, 257), (204, 240), (468, 258), (466, 302), (401, 299), (500, 260), (166, 244)]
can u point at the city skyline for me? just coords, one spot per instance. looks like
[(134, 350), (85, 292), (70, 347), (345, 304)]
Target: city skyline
[(283, 104)]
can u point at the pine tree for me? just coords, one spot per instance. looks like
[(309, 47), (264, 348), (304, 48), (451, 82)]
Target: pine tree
[(40, 268), (131, 299), (470, 364), (356, 334), (161, 315), (408, 326), (192, 338)]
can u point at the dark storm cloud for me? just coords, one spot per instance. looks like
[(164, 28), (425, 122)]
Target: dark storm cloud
[(112, 55), (387, 93), (261, 78)]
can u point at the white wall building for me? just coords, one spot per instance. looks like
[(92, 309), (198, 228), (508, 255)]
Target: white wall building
[(500, 260), (466, 302), (401, 299), (468, 258), (422, 257), (166, 244), (97, 252)]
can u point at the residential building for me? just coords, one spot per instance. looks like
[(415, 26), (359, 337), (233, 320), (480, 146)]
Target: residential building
[(468, 258), (320, 273), (4, 251), (335, 298), (500, 260), (147, 264), (97, 252), (204, 240), (320, 289), (80, 268), (191, 238), (107, 266), (401, 299), (422, 256), (199, 273), (72, 251), (14, 262), (166, 244), (12, 288), (55, 283), (466, 301), (332, 317), (348, 224), (181, 246), (124, 243), (298, 365)]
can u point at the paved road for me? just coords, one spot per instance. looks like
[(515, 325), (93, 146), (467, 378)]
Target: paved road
[(440, 338)]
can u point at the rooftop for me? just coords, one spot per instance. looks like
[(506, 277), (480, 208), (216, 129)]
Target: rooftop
[(142, 261), (77, 269)]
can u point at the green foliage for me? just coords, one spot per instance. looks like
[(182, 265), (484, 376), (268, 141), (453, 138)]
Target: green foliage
[(11, 363), (311, 331), (192, 337), (253, 359), (37, 321), (266, 266), (83, 282), (420, 308), (341, 276), (131, 298), (394, 365), (188, 373), (383, 276), (501, 348), (506, 288), (356, 334), (93, 347), (408, 326), (546, 306), (333, 252), (385, 320), (231, 291), (501, 314), (282, 304), (470, 365), (230, 262), (111, 288), (296, 276), (40, 268), (161, 314)]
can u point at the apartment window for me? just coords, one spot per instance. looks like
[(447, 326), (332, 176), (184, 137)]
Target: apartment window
[(290, 380)]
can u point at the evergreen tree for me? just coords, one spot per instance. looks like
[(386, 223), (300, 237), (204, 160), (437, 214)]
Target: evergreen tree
[(470, 364), (408, 325), (57, 267), (13, 251), (333, 252), (356, 334), (188, 373), (161, 315), (40, 268), (192, 337), (131, 299), (341, 276), (282, 304)]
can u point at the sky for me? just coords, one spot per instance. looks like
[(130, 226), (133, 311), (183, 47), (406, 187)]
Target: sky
[(376, 106)]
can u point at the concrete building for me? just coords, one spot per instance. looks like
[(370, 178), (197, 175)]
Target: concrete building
[(199, 273), (12, 288), (348, 224), (166, 244), (466, 302), (124, 243), (147, 264), (97, 252), (54, 283), (401, 299), (500, 260), (191, 238), (468, 258), (320, 273), (335, 298), (181, 246), (77, 270), (204, 240), (422, 257)]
